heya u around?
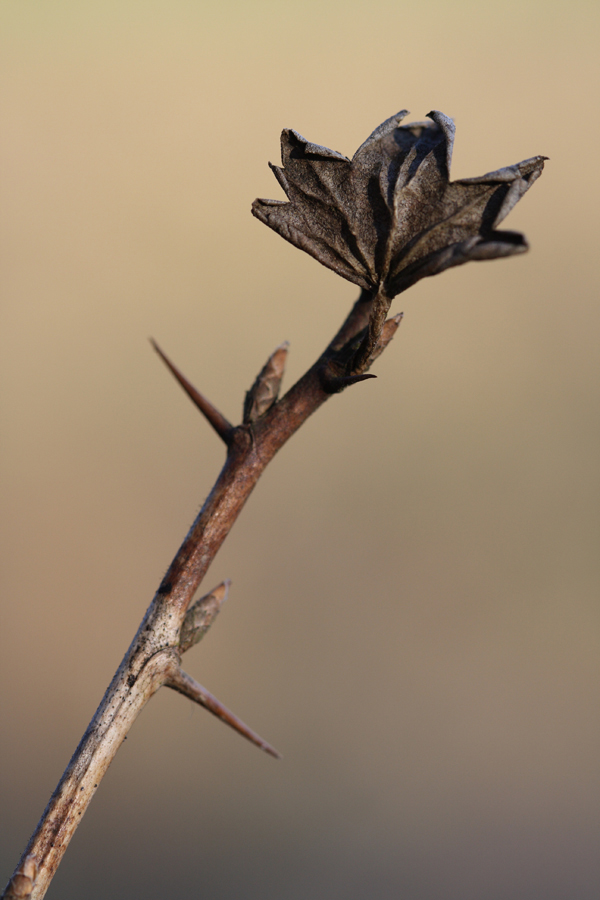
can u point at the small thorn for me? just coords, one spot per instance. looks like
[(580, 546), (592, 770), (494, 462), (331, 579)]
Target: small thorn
[(218, 421), (201, 615), (265, 390), (333, 384), (180, 681), (347, 380)]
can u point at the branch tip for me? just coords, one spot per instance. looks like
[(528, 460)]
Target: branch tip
[(221, 425)]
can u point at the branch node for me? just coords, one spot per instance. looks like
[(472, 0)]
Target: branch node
[(221, 425)]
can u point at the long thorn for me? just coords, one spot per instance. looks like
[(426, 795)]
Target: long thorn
[(218, 421), (189, 687)]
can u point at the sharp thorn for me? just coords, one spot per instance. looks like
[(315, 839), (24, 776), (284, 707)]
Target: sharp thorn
[(218, 421), (180, 681), (333, 384)]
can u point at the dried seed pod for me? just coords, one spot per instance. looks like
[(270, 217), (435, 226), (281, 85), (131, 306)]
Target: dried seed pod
[(391, 216)]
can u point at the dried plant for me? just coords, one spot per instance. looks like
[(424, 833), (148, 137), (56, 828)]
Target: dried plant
[(383, 220), (391, 215)]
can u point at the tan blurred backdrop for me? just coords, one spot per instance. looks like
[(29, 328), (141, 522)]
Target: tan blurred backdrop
[(414, 617)]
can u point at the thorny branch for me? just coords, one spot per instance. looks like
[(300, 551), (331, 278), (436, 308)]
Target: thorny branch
[(382, 220), (169, 628)]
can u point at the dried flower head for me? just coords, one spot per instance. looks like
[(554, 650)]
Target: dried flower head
[(391, 216)]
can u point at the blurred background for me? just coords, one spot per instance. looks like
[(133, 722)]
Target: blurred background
[(414, 617)]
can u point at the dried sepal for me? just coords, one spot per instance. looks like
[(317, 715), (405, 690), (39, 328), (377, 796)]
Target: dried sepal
[(265, 390), (391, 216)]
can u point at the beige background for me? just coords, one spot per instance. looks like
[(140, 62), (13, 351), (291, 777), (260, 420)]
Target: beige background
[(414, 618)]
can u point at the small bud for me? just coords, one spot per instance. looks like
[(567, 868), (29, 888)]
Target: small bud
[(265, 390), (22, 883)]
